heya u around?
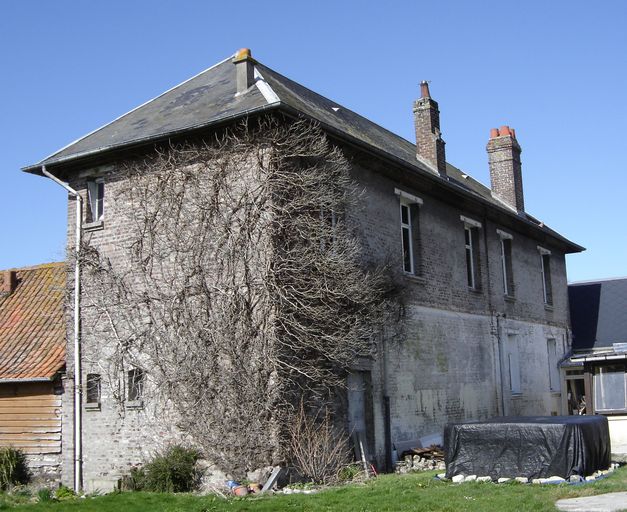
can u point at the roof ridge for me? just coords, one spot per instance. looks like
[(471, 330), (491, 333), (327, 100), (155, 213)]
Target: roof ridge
[(52, 264)]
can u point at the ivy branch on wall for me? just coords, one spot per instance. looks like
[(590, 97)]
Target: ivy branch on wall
[(241, 288)]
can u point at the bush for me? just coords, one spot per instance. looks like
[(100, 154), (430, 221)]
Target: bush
[(64, 493), (319, 449), (135, 481), (174, 470), (13, 468)]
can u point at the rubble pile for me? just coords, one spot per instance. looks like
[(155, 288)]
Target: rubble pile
[(421, 459)]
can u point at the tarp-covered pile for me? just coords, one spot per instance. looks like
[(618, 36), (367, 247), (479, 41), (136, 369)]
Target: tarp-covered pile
[(532, 447)]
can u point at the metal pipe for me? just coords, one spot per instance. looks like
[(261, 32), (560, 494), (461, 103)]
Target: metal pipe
[(78, 448)]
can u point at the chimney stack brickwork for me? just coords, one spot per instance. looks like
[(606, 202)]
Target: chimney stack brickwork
[(244, 69), (429, 143), (505, 167), (9, 281)]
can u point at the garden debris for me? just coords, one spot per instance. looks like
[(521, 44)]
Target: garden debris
[(421, 459)]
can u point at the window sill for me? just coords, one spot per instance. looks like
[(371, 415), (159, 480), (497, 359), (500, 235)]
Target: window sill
[(415, 278), (94, 226), (134, 404), (548, 307), (516, 396), (476, 291), (509, 298), (95, 406), (556, 393)]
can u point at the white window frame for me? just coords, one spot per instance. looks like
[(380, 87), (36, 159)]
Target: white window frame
[(95, 201), (544, 252), (471, 272), (506, 277), (406, 200)]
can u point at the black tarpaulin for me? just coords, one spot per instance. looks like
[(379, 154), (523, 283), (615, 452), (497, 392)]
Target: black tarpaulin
[(532, 447)]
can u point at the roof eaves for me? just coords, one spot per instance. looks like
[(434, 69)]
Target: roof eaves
[(36, 168)]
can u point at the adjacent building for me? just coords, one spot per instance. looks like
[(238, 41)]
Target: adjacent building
[(596, 371), (486, 318), (32, 364)]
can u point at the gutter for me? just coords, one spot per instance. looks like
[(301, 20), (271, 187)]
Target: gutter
[(78, 448), (26, 379)]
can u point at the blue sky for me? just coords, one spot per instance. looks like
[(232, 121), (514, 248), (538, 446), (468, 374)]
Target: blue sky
[(555, 71)]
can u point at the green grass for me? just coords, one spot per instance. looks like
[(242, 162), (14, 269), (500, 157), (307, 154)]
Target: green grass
[(387, 493)]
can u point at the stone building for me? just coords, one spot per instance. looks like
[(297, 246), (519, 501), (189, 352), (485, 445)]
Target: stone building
[(486, 320)]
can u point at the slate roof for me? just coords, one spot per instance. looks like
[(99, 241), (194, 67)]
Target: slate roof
[(598, 311), (209, 98), (32, 324)]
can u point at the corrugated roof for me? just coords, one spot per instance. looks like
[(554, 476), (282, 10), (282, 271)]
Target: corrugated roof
[(32, 324), (209, 98), (598, 313)]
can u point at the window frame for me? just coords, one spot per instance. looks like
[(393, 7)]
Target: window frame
[(507, 264), (135, 383), (594, 369), (95, 199), (471, 253), (411, 204), (545, 274), (93, 381)]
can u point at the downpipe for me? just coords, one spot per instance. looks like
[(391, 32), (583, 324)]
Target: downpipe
[(78, 413)]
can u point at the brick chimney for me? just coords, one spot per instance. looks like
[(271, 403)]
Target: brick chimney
[(429, 143), (505, 168), (244, 69), (9, 281)]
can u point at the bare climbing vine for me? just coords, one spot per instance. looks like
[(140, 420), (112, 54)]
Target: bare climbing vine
[(237, 284)]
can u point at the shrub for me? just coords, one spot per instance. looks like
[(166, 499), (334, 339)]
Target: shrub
[(135, 481), (64, 493), (174, 470), (319, 450), (13, 468)]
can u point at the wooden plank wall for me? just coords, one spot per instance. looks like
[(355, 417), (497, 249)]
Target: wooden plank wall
[(30, 417)]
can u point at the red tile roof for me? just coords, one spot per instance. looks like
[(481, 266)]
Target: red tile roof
[(32, 323)]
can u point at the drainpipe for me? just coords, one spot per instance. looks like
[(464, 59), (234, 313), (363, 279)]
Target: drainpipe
[(78, 448)]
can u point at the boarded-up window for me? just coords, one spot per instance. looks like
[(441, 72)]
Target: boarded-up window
[(554, 375)]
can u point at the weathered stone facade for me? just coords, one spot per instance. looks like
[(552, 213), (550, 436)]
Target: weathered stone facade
[(468, 348)]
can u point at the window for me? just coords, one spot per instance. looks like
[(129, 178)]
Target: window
[(95, 200), (609, 388), (329, 226), (135, 386), (410, 232), (506, 263), (554, 375), (92, 395), (545, 266), (471, 239), (513, 364)]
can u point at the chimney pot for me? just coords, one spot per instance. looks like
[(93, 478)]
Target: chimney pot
[(9, 281), (504, 130), (424, 89)]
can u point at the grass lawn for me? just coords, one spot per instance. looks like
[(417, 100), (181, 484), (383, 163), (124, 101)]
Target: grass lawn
[(418, 491)]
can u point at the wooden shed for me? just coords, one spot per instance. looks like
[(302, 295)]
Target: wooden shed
[(32, 362)]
